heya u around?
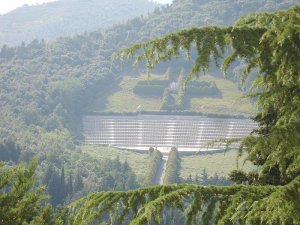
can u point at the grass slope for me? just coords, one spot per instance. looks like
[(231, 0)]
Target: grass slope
[(214, 163), (124, 100), (232, 101), (137, 161)]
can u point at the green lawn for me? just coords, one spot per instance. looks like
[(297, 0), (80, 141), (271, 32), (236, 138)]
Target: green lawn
[(137, 161), (124, 100), (218, 163), (230, 103)]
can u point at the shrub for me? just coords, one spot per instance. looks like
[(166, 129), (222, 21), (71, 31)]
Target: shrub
[(149, 90), (172, 168), (154, 162), (202, 88)]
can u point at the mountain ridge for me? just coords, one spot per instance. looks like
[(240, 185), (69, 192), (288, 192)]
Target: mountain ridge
[(67, 17)]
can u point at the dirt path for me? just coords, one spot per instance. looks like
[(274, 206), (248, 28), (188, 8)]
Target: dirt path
[(159, 178)]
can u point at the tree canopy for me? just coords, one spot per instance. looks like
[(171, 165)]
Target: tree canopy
[(45, 87), (20, 203), (270, 44)]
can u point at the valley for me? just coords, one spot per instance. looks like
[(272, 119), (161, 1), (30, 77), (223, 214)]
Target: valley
[(85, 138)]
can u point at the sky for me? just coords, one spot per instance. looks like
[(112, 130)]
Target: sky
[(8, 5)]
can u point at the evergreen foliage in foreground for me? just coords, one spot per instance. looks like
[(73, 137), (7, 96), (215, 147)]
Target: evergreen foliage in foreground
[(269, 42), (45, 87), (20, 203), (215, 205)]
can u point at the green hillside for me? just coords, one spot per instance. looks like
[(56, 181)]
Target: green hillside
[(190, 164), (67, 17), (219, 163), (136, 161), (46, 88), (231, 101), (119, 100), (268, 43)]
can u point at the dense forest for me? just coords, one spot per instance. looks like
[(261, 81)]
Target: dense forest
[(45, 88), (66, 18), (269, 42)]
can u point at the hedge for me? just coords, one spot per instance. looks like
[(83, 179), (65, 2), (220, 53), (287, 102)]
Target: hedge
[(164, 83), (153, 166), (172, 168), (202, 88), (149, 90)]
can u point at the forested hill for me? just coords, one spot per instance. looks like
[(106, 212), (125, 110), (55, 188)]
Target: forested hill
[(183, 14), (42, 79), (46, 86), (67, 17)]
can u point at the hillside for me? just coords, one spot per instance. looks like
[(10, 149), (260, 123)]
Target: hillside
[(229, 102), (49, 175), (66, 18), (46, 86)]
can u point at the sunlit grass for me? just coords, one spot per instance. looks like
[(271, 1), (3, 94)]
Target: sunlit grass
[(232, 101), (124, 100), (215, 163), (137, 161)]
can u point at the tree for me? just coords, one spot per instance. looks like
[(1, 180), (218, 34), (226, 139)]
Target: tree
[(9, 150), (204, 177), (63, 186), (166, 100), (70, 185), (78, 183), (55, 189), (172, 171), (20, 203), (269, 42)]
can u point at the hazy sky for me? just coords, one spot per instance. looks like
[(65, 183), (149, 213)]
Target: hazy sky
[(8, 5)]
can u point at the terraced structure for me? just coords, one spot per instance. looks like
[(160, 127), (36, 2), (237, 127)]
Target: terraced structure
[(187, 133)]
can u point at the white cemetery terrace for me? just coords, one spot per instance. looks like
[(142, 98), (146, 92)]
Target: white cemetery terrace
[(187, 133)]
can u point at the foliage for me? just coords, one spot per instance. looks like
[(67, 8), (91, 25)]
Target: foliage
[(164, 83), (167, 100), (270, 43), (149, 90), (204, 179), (173, 167), (9, 151), (65, 18), (175, 95), (253, 38), (202, 88), (45, 87), (96, 175), (20, 203), (153, 165), (230, 205), (136, 160), (211, 162)]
